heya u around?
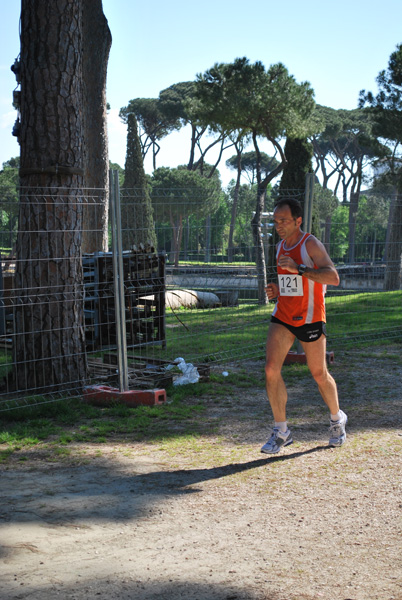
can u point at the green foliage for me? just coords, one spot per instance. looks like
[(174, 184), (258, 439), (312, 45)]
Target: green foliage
[(120, 170), (137, 217), (249, 165), (181, 196), (371, 233), (9, 196), (175, 101), (347, 141), (246, 96), (325, 201), (179, 193), (195, 233), (386, 107), (389, 97), (150, 117), (9, 177), (154, 123), (242, 237), (258, 103), (372, 219), (298, 153), (134, 168), (339, 234), (178, 102)]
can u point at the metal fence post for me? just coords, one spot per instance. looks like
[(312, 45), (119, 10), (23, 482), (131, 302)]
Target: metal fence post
[(118, 281), (308, 202)]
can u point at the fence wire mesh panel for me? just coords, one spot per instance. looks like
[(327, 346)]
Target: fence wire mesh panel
[(190, 285), (43, 314)]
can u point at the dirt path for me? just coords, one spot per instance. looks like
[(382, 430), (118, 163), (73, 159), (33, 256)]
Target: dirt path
[(215, 519)]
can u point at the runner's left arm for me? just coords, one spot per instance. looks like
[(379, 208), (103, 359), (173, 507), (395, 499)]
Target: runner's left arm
[(325, 272)]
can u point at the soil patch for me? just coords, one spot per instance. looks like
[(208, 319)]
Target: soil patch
[(210, 517)]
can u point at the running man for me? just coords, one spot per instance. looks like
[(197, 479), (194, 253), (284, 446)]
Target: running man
[(304, 271)]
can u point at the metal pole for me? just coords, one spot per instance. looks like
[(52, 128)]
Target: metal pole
[(118, 282), (308, 202), (121, 284), (312, 177), (307, 220)]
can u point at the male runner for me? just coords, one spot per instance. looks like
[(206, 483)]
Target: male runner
[(304, 270)]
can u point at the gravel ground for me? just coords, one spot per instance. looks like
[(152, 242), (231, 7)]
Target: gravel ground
[(212, 518)]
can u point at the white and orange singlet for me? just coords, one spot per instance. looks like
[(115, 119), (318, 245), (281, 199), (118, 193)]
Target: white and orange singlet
[(301, 301)]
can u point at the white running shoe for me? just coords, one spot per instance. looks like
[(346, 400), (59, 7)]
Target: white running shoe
[(277, 441), (337, 431)]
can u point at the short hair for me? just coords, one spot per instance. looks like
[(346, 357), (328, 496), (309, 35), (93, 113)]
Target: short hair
[(293, 204)]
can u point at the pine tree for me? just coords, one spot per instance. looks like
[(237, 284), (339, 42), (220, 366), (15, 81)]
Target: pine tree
[(136, 206), (299, 154)]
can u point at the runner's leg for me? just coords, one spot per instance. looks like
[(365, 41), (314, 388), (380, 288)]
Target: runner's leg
[(316, 359), (279, 342)]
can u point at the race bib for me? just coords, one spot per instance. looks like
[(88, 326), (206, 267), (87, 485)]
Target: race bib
[(290, 285)]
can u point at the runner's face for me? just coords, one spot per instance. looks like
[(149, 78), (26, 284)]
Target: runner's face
[(285, 224)]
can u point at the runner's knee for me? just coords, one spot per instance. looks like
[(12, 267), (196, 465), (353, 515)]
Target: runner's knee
[(320, 374), (271, 371)]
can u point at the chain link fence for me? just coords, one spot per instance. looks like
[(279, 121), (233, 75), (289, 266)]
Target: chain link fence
[(94, 294)]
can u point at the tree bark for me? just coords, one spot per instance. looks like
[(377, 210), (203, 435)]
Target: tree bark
[(97, 41), (49, 348)]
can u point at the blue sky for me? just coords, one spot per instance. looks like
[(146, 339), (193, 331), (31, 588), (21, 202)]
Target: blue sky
[(338, 47)]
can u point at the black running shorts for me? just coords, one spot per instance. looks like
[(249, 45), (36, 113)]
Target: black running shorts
[(305, 333)]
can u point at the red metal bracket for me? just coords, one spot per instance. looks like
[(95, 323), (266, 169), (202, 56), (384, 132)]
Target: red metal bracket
[(103, 395)]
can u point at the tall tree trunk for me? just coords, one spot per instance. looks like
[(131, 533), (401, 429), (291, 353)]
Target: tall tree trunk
[(49, 349), (234, 207), (95, 54), (394, 247)]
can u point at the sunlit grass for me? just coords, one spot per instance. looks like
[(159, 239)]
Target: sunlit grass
[(235, 333), (207, 335)]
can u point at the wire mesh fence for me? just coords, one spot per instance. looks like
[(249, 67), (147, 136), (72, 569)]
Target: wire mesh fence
[(188, 282)]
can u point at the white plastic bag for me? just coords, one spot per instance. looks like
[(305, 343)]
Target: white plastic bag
[(190, 373)]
